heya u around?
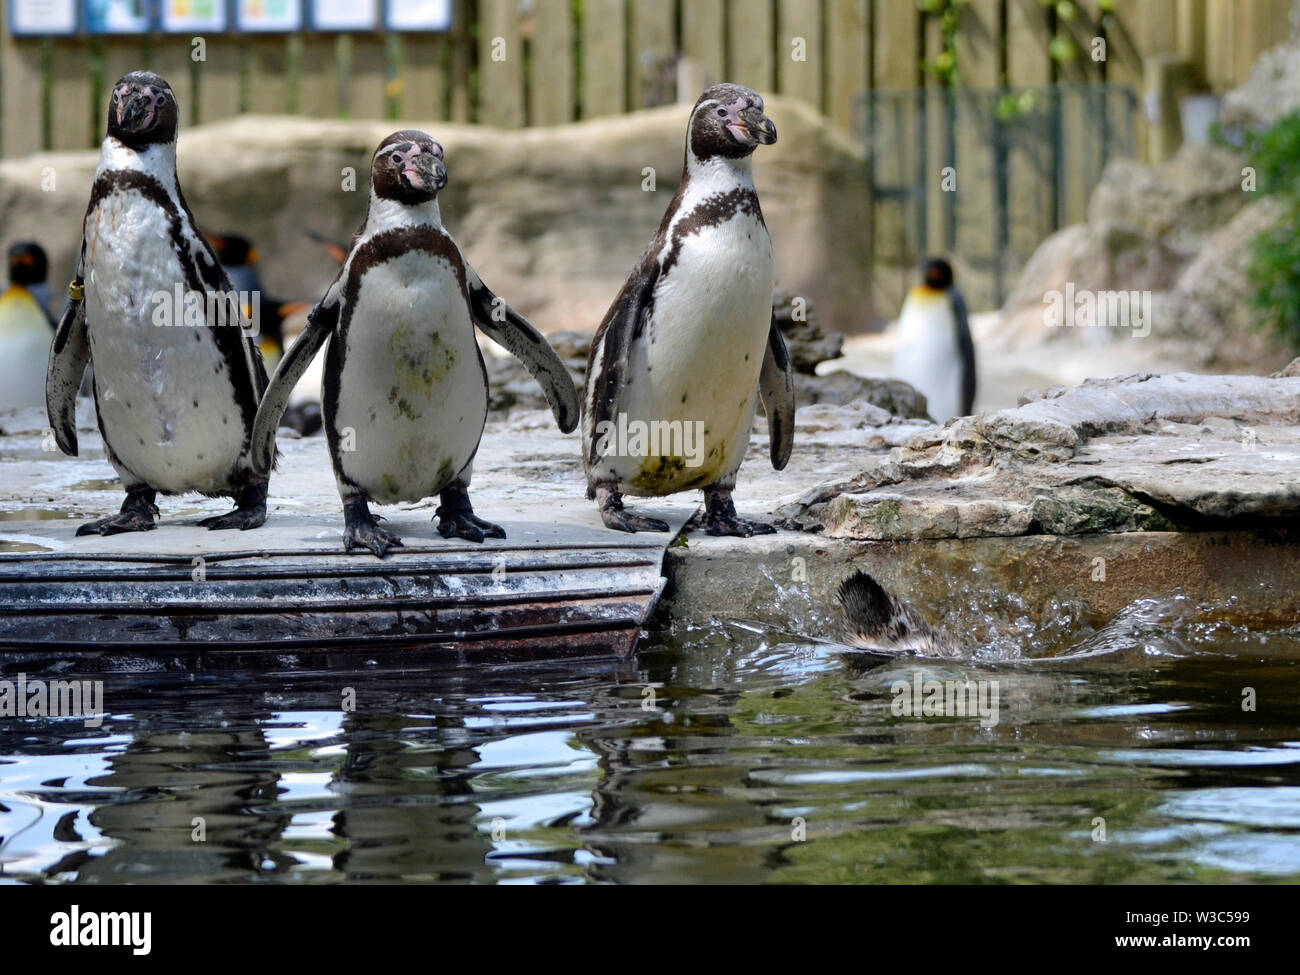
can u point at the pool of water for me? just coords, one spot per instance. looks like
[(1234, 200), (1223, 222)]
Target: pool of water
[(1163, 748)]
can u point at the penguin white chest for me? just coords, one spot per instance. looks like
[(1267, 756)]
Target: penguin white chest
[(927, 355), (163, 391), (411, 387), (697, 362)]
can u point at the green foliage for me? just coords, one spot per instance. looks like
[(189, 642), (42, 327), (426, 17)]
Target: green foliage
[(1274, 266)]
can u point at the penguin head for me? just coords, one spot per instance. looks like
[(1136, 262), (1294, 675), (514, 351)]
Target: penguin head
[(28, 263), (937, 274), (728, 121), (233, 250), (142, 110), (408, 168)]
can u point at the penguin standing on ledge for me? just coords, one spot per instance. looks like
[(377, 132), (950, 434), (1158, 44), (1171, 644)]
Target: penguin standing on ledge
[(25, 328), (176, 389), (690, 343), (934, 351), (406, 391)]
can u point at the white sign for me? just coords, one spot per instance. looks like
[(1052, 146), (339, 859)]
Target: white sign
[(118, 16), (42, 17), (344, 14), (186, 16), (427, 15), (268, 15)]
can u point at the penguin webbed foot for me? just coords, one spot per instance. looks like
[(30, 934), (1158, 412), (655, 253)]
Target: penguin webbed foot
[(249, 513), (720, 517), (361, 529), (615, 516), (137, 515), (456, 518)]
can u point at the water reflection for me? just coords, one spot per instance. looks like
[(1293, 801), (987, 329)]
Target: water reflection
[(733, 754)]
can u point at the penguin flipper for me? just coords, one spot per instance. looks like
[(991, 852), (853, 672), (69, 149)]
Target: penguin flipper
[(69, 355), (518, 337), (776, 389), (612, 344), (320, 325), (966, 346)]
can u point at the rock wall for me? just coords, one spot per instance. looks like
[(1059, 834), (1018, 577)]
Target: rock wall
[(553, 218)]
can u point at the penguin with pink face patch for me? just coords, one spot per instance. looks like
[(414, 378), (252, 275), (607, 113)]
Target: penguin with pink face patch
[(405, 389)]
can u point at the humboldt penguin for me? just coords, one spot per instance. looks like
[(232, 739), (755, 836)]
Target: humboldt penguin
[(690, 343), (405, 387), (177, 380), (934, 351), (25, 328), (876, 620)]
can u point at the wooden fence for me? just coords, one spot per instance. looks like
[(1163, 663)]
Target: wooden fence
[(561, 60)]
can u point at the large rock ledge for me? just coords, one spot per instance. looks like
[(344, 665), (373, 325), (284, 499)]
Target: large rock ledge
[(1137, 453)]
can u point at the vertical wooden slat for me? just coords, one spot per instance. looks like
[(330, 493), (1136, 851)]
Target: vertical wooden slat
[(20, 91), (319, 94), (1028, 35), (978, 47), (1031, 162), (71, 112), (268, 63), (501, 82), (459, 105), (749, 43), (367, 86), (550, 89), (846, 58), (1191, 31), (800, 19), (604, 70), (422, 91), (896, 41), (218, 95), (703, 43), (938, 134), (653, 46)]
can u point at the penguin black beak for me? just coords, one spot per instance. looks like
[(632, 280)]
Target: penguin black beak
[(758, 127), (135, 111), (425, 173)]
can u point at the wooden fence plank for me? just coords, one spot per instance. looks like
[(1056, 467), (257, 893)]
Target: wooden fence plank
[(749, 45), (319, 83), (604, 70), (703, 46), (938, 148), (500, 64), (460, 104), (20, 91), (71, 111), (653, 49), (800, 29), (846, 58), (550, 87), (367, 89), (897, 45), (218, 94), (422, 77), (268, 85), (1032, 156), (1028, 34), (975, 222)]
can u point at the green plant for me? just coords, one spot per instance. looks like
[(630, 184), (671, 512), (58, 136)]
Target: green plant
[(1274, 263)]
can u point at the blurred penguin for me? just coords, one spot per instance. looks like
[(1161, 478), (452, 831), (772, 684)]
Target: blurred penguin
[(934, 351), (240, 259), (26, 328)]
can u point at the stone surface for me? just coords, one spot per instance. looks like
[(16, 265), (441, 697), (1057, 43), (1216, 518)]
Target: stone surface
[(553, 218), (1136, 453)]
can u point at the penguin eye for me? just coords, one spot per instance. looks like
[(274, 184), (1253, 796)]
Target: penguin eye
[(396, 157), (722, 113), (160, 99)]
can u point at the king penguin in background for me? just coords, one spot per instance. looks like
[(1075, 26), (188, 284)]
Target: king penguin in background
[(934, 351), (405, 388), (690, 343), (176, 389), (25, 328)]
